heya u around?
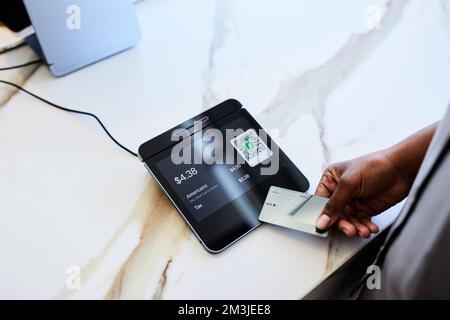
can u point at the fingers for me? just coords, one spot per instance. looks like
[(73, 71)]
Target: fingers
[(363, 230), (334, 208), (346, 227), (352, 227), (369, 224), (365, 219), (327, 183), (322, 190)]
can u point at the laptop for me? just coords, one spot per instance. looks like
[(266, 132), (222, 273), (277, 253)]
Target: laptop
[(72, 34)]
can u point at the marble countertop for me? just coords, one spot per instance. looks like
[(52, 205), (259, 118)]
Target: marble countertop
[(337, 80)]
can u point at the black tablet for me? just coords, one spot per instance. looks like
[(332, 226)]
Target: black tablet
[(217, 168)]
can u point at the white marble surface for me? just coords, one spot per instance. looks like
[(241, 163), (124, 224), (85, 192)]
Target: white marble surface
[(313, 69)]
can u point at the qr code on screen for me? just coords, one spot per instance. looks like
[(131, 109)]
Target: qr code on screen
[(251, 147)]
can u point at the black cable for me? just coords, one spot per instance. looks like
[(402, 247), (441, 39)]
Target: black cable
[(71, 110), (21, 65)]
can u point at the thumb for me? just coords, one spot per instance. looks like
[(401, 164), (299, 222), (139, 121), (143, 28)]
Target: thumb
[(334, 208)]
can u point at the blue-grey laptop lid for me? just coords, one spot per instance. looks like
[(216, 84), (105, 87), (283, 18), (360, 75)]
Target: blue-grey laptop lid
[(75, 33)]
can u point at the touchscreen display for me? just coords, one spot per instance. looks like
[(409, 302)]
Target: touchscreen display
[(205, 188)]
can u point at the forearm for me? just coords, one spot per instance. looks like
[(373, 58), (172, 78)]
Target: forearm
[(408, 154)]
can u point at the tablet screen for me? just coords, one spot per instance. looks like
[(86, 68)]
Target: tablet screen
[(205, 188)]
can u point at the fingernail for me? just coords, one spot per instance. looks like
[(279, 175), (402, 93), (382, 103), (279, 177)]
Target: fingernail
[(323, 221), (344, 231)]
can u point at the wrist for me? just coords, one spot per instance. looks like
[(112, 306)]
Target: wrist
[(404, 167), (407, 156)]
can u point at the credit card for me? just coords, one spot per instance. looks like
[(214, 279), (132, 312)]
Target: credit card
[(293, 209)]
